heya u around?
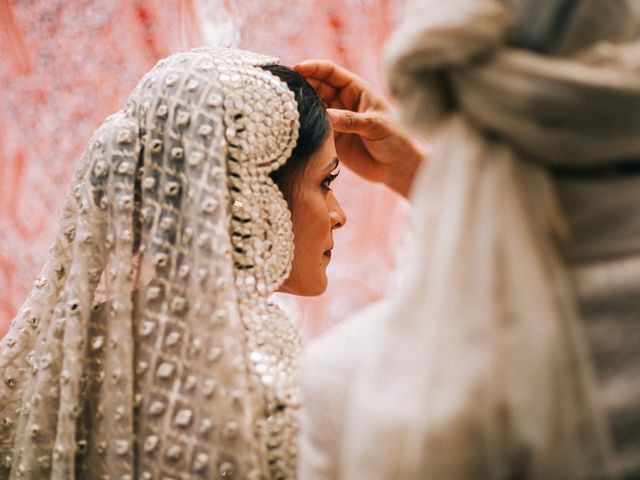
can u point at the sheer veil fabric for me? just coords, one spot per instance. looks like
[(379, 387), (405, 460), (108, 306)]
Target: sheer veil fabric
[(147, 347), (481, 369)]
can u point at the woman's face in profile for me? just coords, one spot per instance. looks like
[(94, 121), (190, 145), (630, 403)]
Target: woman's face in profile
[(315, 214)]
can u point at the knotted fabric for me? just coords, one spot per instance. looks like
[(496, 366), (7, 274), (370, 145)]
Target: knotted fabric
[(483, 370)]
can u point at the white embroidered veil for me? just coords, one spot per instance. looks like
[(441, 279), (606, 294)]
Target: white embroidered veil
[(143, 348), (481, 371)]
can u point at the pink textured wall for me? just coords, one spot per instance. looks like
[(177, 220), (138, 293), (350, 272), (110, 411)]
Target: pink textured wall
[(66, 65)]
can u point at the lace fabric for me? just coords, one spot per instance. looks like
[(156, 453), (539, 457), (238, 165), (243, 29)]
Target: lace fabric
[(147, 347)]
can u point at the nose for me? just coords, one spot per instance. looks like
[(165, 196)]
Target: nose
[(337, 215)]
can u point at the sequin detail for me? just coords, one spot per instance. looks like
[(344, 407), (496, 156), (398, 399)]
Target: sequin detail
[(178, 182)]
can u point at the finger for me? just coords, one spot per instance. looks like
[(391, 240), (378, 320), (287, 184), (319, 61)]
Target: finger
[(329, 95), (307, 68), (328, 72), (347, 85), (366, 125), (340, 87)]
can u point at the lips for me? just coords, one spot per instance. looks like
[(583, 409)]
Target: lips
[(327, 253)]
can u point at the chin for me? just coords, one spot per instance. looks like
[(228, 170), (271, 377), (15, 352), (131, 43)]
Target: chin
[(312, 289), (313, 292), (306, 289)]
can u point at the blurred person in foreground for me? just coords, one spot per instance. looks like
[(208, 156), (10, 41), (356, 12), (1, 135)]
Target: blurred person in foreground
[(509, 348)]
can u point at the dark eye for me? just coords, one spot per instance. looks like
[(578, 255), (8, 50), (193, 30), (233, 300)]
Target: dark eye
[(326, 183)]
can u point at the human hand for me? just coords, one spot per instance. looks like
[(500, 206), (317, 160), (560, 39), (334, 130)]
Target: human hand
[(368, 140)]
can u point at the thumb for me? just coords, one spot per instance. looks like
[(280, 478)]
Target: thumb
[(367, 125)]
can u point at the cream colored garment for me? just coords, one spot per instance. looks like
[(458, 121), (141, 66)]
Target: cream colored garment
[(147, 348), (481, 368), (331, 363)]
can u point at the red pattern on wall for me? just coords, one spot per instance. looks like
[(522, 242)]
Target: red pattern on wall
[(66, 65)]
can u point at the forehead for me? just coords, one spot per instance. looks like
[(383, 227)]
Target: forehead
[(325, 158)]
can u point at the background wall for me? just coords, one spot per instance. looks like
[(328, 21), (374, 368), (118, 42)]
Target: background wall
[(67, 64)]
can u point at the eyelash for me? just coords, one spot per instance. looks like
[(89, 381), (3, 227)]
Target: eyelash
[(330, 178)]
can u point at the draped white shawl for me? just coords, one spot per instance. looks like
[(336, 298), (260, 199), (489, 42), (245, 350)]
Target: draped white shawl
[(481, 369)]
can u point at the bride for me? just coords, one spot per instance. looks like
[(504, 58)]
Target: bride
[(147, 347)]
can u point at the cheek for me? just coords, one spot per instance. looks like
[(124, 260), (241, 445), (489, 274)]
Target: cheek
[(311, 226)]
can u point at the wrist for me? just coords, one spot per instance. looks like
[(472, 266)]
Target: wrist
[(403, 172)]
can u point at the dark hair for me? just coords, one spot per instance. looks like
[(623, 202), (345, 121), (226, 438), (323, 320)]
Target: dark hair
[(314, 128)]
